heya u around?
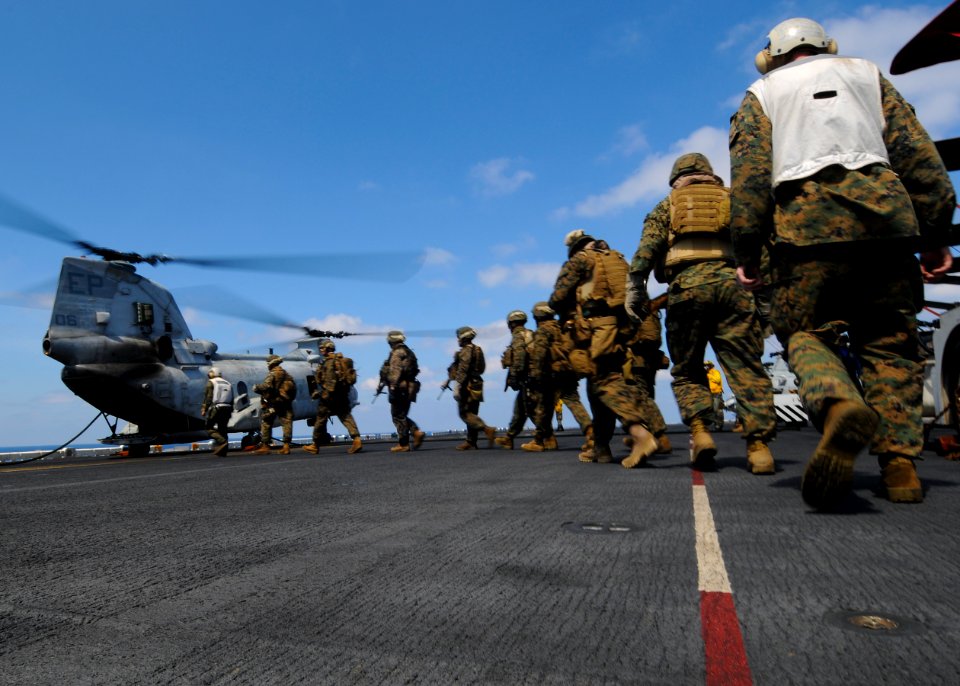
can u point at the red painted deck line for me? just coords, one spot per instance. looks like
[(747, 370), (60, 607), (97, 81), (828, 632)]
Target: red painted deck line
[(724, 654)]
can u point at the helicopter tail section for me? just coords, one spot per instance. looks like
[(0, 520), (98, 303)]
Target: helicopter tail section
[(104, 312)]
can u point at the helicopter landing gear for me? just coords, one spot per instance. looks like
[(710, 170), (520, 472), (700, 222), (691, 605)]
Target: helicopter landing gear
[(249, 440), (138, 450)]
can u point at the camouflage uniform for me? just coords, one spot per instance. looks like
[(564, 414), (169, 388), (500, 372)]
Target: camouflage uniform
[(516, 360), (706, 305), (609, 393), (466, 371), (274, 406), (542, 389), (399, 374), (645, 359), (334, 400), (842, 260)]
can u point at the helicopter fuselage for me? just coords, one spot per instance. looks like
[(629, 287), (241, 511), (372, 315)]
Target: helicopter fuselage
[(127, 351)]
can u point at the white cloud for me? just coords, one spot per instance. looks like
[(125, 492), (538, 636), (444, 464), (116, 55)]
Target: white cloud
[(497, 177), (877, 35), (438, 257), (523, 243), (630, 140), (542, 274), (56, 398), (649, 181), (368, 186)]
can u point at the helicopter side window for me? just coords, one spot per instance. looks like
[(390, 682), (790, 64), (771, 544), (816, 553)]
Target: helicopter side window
[(241, 400)]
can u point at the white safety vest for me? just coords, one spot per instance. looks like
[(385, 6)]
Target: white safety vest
[(824, 110), (222, 392)]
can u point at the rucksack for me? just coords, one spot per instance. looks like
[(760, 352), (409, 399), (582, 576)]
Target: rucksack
[(346, 374), (288, 388)]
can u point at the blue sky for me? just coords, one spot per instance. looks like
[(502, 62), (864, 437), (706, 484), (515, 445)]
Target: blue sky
[(479, 132)]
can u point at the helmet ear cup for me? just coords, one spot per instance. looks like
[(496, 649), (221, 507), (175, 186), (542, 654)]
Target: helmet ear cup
[(762, 61), (831, 48)]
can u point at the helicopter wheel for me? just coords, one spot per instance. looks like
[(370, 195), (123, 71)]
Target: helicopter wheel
[(138, 450), (249, 440)]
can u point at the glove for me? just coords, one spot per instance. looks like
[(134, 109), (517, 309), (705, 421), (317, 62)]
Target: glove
[(637, 302)]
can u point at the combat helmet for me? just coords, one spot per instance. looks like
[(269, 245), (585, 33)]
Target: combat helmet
[(691, 163), (273, 361), (396, 337), (214, 372), (326, 344), (789, 35), (542, 310), (576, 240), (466, 333), (517, 316)]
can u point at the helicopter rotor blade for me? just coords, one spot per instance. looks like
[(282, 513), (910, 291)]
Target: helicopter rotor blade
[(220, 301), (38, 297), (387, 267), (15, 216)]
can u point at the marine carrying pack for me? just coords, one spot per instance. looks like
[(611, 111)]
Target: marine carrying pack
[(346, 374), (288, 388)]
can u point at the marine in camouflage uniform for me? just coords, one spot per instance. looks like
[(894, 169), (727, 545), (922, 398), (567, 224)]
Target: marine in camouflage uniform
[(843, 232), (217, 414), (274, 406), (516, 360), (542, 369), (590, 292), (644, 360), (467, 372), (399, 375), (687, 237), (334, 401)]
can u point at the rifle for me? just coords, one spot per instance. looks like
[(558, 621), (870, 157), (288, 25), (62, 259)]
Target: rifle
[(444, 388), (659, 302), (377, 394)]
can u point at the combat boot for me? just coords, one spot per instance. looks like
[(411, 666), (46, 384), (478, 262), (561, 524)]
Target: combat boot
[(505, 442), (900, 479), (759, 457), (262, 450), (828, 476), (664, 447), (644, 445), (588, 442), (312, 449), (356, 447), (418, 437), (534, 446), (587, 455), (466, 445), (702, 447), (491, 435), (221, 450), (400, 449), (602, 453), (550, 443), (285, 450)]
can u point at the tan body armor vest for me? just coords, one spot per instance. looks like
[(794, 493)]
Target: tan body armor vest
[(608, 283), (699, 226)]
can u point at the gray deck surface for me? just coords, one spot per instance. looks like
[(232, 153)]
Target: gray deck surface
[(440, 567)]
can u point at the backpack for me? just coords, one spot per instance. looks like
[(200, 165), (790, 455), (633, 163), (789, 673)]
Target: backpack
[(346, 374), (288, 388)]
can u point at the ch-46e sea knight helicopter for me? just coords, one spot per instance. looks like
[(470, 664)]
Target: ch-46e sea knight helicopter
[(127, 350)]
